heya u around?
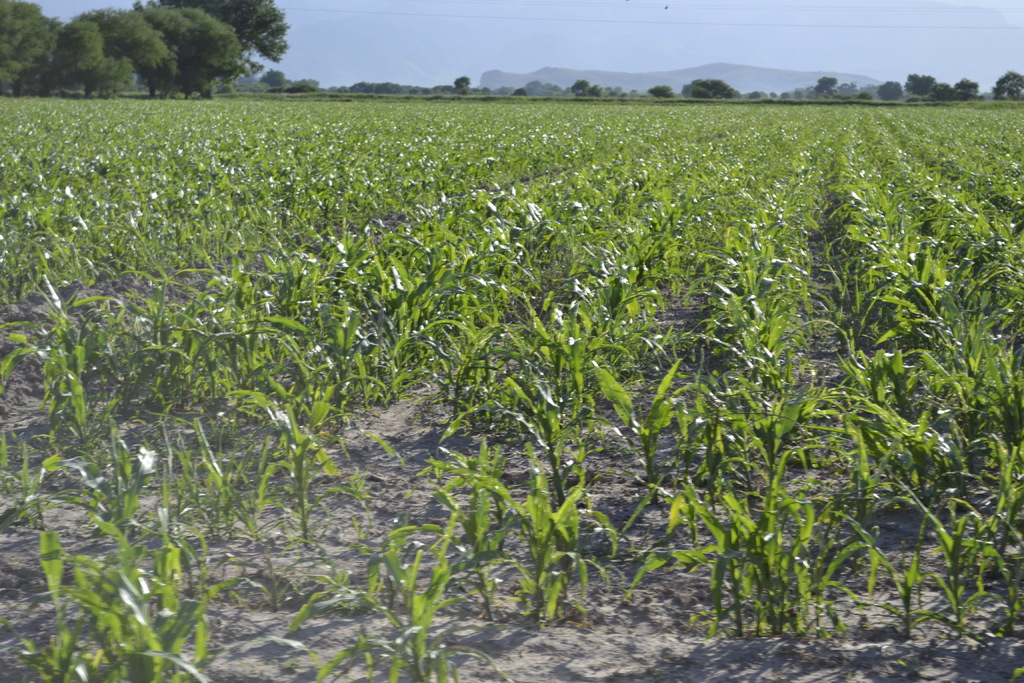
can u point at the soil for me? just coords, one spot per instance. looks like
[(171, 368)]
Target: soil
[(656, 635)]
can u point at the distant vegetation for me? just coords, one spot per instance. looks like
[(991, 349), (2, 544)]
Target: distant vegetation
[(167, 47), (172, 48)]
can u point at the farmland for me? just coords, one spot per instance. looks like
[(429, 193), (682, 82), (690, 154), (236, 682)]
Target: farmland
[(594, 392)]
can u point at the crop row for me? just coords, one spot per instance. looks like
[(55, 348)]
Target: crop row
[(783, 329)]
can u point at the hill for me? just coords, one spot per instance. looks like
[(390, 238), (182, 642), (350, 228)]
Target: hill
[(743, 78)]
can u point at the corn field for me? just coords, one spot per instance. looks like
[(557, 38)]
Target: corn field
[(398, 390)]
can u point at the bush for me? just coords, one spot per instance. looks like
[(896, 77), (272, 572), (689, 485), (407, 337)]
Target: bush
[(301, 88)]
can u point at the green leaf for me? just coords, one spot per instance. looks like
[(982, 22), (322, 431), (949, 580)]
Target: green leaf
[(618, 397)]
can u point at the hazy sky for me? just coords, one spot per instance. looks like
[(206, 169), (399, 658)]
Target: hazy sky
[(425, 42)]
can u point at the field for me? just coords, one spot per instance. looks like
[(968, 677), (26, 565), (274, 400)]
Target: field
[(547, 391)]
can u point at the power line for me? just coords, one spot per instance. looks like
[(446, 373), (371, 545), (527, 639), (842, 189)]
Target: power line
[(658, 23), (641, 3)]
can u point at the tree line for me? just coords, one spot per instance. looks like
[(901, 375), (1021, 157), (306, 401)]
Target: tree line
[(170, 46)]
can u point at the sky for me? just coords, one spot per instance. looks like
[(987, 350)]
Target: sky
[(427, 42)]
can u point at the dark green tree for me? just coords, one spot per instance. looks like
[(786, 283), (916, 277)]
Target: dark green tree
[(595, 91), (78, 56), (274, 78), (710, 89), (663, 91), (826, 86), (942, 92), (462, 85), (27, 39), (890, 91), (919, 85), (127, 35), (967, 90), (258, 24), (1010, 86), (205, 50), (580, 88)]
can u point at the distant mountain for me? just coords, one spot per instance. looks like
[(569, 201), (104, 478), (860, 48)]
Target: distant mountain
[(742, 78), (403, 44), (434, 43)]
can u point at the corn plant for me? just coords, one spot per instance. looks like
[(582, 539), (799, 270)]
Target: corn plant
[(304, 459), (115, 497), (554, 537), (646, 430), (136, 620), (414, 649), (485, 519), (906, 576)]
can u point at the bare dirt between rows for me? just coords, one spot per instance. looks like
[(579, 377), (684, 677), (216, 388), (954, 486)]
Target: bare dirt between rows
[(658, 635), (647, 638)]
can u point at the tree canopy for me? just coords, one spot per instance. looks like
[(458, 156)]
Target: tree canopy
[(27, 39), (919, 85), (204, 50), (1009, 86), (710, 89), (258, 24), (890, 91), (172, 46), (826, 85)]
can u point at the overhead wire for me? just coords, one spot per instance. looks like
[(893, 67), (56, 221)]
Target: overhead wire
[(585, 20), (681, 5)]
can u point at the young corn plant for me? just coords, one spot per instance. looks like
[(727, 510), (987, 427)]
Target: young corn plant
[(965, 556), (414, 648), (908, 578), (135, 619), (644, 432), (485, 518), (114, 496), (304, 459), (24, 486), (532, 403), (555, 538), (773, 561)]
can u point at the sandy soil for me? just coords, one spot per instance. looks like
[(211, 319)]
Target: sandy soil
[(657, 635)]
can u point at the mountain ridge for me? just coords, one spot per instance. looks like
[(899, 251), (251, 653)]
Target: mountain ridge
[(742, 77)]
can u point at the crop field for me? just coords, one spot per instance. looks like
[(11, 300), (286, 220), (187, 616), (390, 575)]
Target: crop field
[(418, 391)]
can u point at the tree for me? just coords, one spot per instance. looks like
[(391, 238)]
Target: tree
[(826, 86), (890, 91), (258, 24), (78, 59), (274, 79), (462, 85), (847, 88), (919, 85), (660, 91), (26, 41), (709, 89), (1009, 86), (942, 92), (127, 35), (966, 90), (580, 88), (205, 50), (595, 91)]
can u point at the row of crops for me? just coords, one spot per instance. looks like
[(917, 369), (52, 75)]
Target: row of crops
[(790, 331)]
